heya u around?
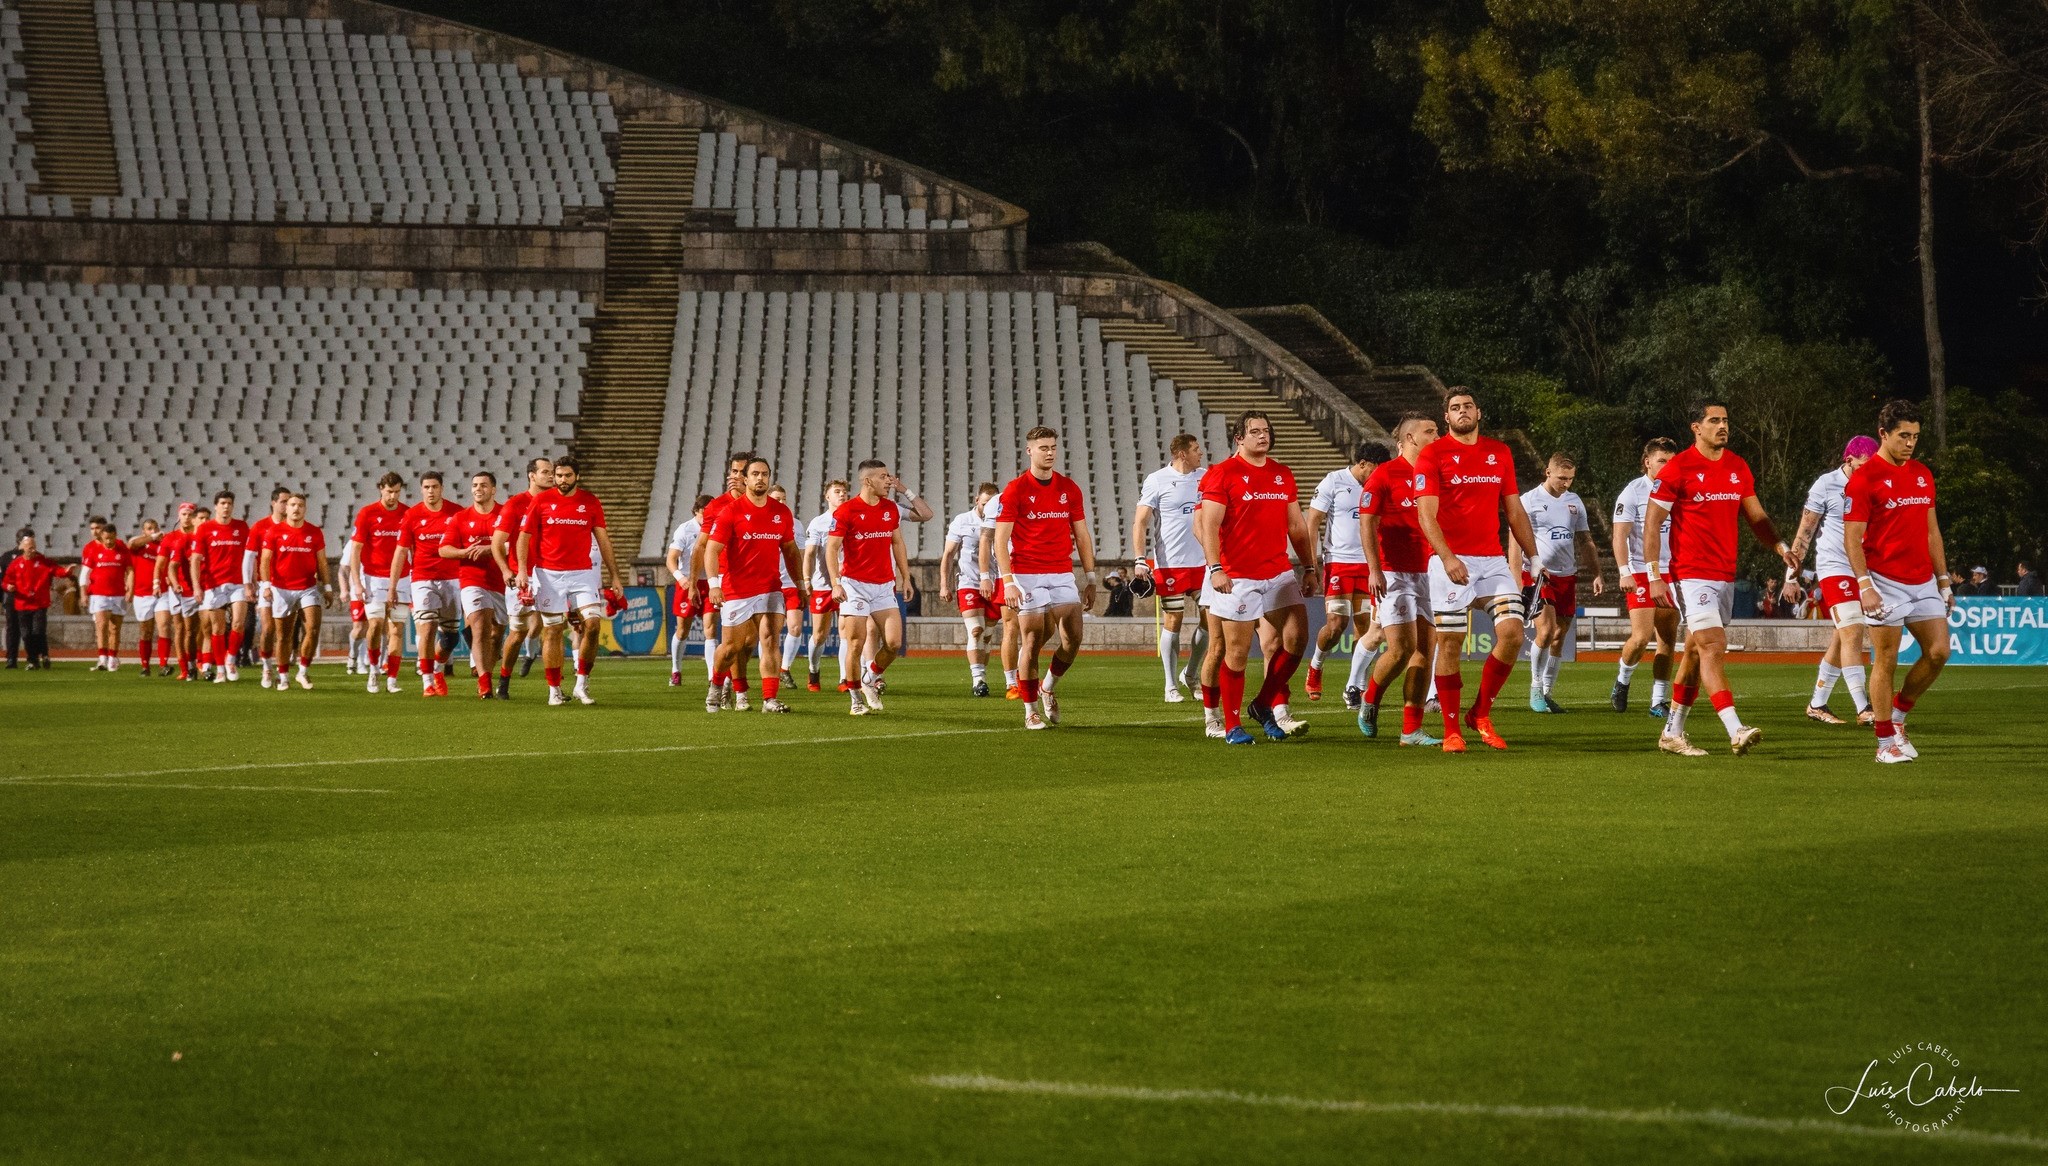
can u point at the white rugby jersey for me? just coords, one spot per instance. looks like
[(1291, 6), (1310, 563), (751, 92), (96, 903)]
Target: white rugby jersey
[(814, 539), (1338, 495), (685, 539), (1632, 506), (1829, 499), (1174, 497), (1558, 520), (965, 532), (991, 513)]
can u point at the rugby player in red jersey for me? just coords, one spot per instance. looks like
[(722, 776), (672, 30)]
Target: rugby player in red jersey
[(867, 564), (522, 623), (436, 591), (789, 622), (267, 633), (554, 556), (1249, 517), (1901, 568), (1170, 497), (1397, 564), (293, 569), (217, 551), (733, 693), (109, 588), (149, 617), (1464, 482), (755, 539), (177, 584), (1707, 491), (376, 539), (468, 544), (1041, 530)]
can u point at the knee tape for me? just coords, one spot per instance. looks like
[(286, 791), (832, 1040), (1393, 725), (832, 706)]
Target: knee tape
[(1508, 607), (1848, 615), (1174, 603), (1453, 621), (975, 621), (1702, 619), (553, 619), (1337, 605)]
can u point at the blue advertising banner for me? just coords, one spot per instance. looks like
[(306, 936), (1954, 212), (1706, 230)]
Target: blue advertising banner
[(2006, 629), (636, 631)]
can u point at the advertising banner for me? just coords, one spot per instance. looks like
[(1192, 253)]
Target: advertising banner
[(2006, 629)]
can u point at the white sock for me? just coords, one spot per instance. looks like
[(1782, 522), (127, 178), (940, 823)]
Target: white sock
[(1045, 684), (675, 653), (1169, 655), (1898, 715), (1010, 677), (979, 672), (1674, 721), (1315, 657), (1824, 686), (1362, 660), (1730, 721), (710, 660), (1550, 672), (845, 673), (817, 647), (1626, 672), (1859, 685), (789, 647), (1539, 659), (1660, 691)]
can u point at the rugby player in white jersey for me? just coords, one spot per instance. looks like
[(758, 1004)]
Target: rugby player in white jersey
[(1563, 535), (1170, 497), (1397, 560), (960, 580), (689, 600), (990, 514), (825, 616), (1347, 578), (1820, 526), (1042, 530), (1649, 621)]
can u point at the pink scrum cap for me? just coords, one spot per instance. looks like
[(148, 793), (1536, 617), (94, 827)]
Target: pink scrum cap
[(1861, 445)]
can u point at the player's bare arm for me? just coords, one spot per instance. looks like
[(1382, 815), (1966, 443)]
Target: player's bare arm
[(717, 594), (263, 565), (1141, 521), (835, 548), (611, 562), (1766, 531), (1590, 551), (1433, 532), (1852, 548), (525, 557), (1938, 551), (401, 558), (1305, 544), (1084, 546), (1209, 532), (796, 562), (1002, 548), (1369, 538), (1653, 547), (905, 583), (1618, 542), (1520, 526), (946, 558)]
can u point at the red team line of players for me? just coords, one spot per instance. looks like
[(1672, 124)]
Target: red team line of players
[(1428, 550)]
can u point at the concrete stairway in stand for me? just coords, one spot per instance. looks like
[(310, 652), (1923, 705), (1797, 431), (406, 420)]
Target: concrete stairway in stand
[(67, 99), (632, 339)]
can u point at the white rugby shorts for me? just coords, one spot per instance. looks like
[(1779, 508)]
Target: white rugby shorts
[(1250, 599), (734, 611), (556, 592), (146, 606), (378, 598), (1704, 604), (224, 596), (483, 599), (1036, 593), (285, 600), (1406, 599), (1906, 603), (1486, 577), (106, 604), (515, 607), (439, 597), (863, 598)]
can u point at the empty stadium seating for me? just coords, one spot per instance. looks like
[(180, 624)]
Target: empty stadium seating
[(763, 192), (219, 113), (17, 155), (943, 386), (125, 398)]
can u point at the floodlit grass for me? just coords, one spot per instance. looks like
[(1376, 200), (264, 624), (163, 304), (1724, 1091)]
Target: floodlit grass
[(635, 933)]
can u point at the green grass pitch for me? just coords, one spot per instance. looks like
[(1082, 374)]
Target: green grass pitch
[(635, 933)]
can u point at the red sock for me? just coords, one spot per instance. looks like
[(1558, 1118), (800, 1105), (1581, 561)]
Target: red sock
[(147, 646), (770, 686), (391, 665), (1231, 682), (305, 661), (1279, 670), (163, 652), (1211, 696), (554, 677), (1722, 699), (1685, 694), (1372, 693), (1885, 729), (1411, 718), (426, 659), (1029, 685), (217, 648), (483, 682), (505, 672), (235, 642), (583, 666), (1493, 676), (1450, 689), (718, 679), (264, 655), (1902, 704), (739, 681), (1059, 666)]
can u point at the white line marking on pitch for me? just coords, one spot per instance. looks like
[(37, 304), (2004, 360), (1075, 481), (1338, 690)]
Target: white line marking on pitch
[(975, 1083), (288, 789), (417, 759)]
